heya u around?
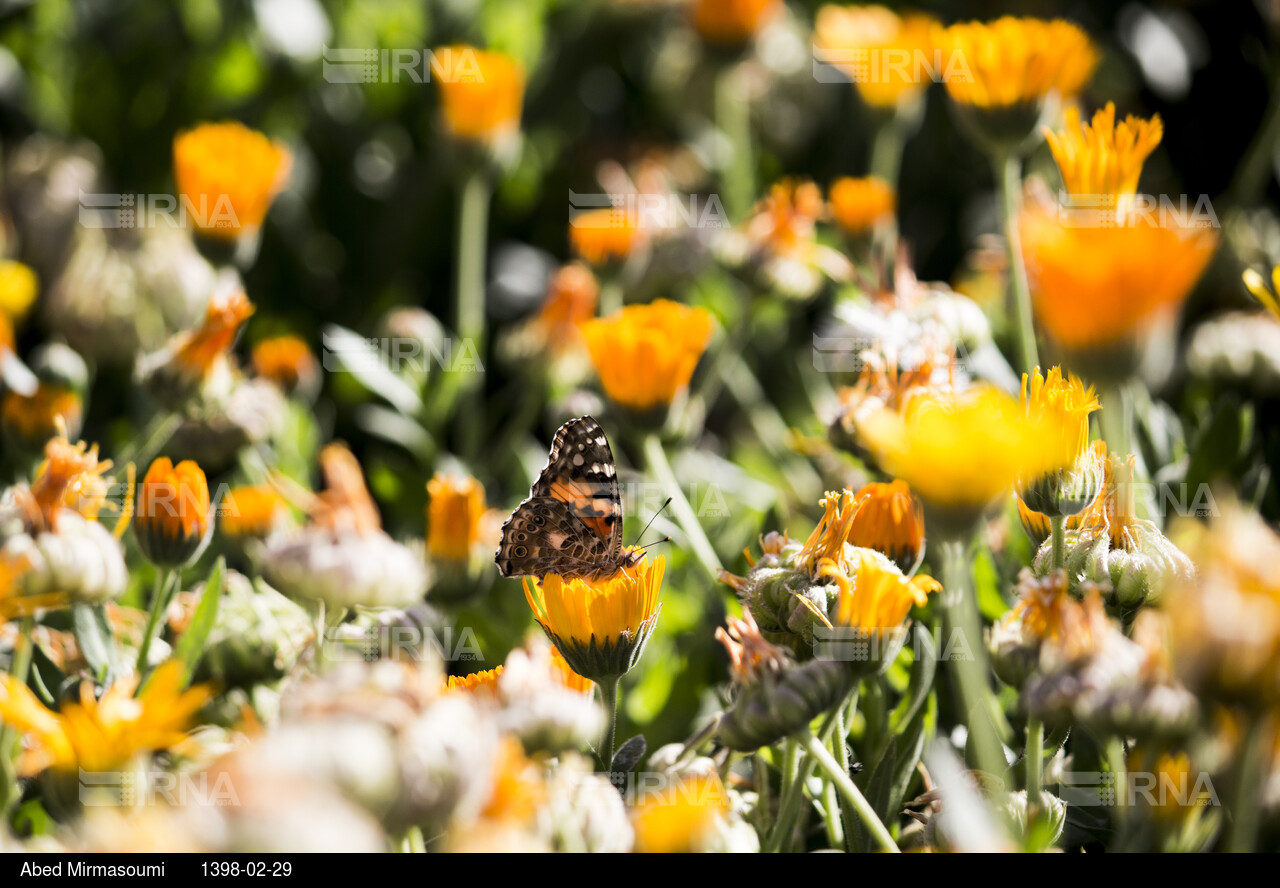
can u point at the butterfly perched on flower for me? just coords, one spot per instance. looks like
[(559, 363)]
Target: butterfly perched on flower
[(571, 524)]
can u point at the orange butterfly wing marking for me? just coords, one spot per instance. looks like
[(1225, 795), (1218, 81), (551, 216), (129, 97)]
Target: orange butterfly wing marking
[(581, 498)]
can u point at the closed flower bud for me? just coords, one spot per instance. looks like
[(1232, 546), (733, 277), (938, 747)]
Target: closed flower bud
[(891, 521), (258, 636), (345, 570), (172, 520), (80, 562)]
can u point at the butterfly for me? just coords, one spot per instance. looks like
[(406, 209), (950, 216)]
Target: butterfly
[(571, 524)]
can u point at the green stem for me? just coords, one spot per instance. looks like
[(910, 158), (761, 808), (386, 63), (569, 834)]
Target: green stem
[(733, 119), (1008, 173), (886, 149), (609, 696), (473, 236), (162, 593), (1115, 421), (1119, 775), (850, 793), (19, 668), (843, 716), (1035, 762), (656, 458), (764, 799), (1249, 780), (1058, 532), (961, 611), (611, 296), (831, 816)]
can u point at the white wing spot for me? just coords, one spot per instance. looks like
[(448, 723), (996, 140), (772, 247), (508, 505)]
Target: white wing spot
[(577, 459)]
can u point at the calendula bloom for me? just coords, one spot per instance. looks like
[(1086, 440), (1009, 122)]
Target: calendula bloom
[(959, 451), (645, 354), (483, 94), (252, 511), (599, 625), (1037, 525), (572, 295), (884, 54), (228, 175), (875, 595), (1224, 620), (1069, 476), (179, 370), (71, 479), (890, 520), (1016, 61), (859, 205), (29, 421), (680, 816), (604, 235), (454, 510), (731, 23), (171, 521), (1098, 286), (18, 288), (1128, 556), (287, 361), (102, 733), (485, 681)]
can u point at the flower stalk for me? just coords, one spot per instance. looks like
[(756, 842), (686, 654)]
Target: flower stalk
[(850, 793), (1008, 175)]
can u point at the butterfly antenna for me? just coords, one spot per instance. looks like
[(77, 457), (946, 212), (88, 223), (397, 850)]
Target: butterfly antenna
[(650, 524)]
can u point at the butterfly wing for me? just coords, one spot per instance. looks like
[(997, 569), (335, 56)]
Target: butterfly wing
[(571, 524)]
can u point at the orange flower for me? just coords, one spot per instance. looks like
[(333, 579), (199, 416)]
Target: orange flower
[(646, 354), (285, 360), (251, 511), (861, 204), (883, 54), (891, 521), (1016, 61), (228, 175), (732, 22), (599, 236), (198, 350), (485, 682), (481, 93), (454, 512), (571, 299), (71, 477), (171, 523)]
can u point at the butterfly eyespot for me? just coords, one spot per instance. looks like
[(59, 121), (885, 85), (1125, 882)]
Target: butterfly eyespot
[(539, 520), (520, 551), (521, 537)]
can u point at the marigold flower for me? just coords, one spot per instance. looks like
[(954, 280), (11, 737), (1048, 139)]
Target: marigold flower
[(603, 235), (646, 354), (29, 421), (251, 511), (571, 299), (875, 595), (287, 361), (455, 509), (518, 788), (600, 626), (171, 521), (18, 288), (1097, 289), (682, 815), (228, 174), (1057, 407), (14, 602), (71, 477), (889, 50), (482, 95), (102, 734), (859, 205), (198, 350), (959, 451), (890, 520), (485, 681), (1014, 61), (732, 22)]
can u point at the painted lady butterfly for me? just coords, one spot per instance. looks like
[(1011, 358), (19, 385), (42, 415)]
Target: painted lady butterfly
[(571, 524)]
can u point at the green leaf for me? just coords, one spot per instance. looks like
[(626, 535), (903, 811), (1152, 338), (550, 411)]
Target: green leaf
[(191, 645), (878, 791), (93, 635), (629, 755), (986, 582), (923, 669)]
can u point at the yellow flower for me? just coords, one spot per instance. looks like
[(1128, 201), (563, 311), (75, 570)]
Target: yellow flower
[(1258, 287), (228, 174), (875, 595), (251, 511), (102, 734), (890, 520), (891, 50), (482, 95), (646, 354), (518, 788), (13, 603), (1098, 288), (959, 451), (1016, 61), (600, 236), (1103, 158), (171, 523), (18, 289), (732, 22), (485, 681), (600, 626), (1058, 408), (31, 421), (454, 512), (859, 205), (681, 815)]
